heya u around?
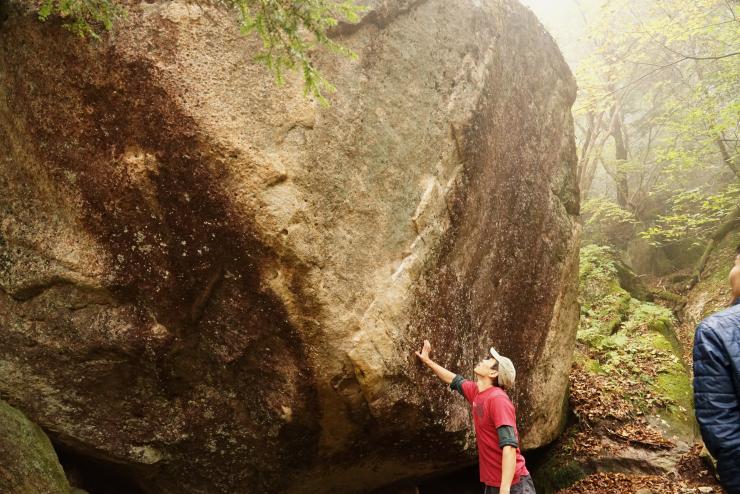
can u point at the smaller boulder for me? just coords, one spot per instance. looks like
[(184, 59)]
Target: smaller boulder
[(29, 463)]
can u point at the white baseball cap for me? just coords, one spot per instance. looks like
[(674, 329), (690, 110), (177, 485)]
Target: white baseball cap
[(506, 371)]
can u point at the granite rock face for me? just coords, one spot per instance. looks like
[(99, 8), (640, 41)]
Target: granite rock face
[(218, 284)]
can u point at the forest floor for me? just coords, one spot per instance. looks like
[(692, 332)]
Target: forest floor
[(601, 413), (691, 475), (631, 428)]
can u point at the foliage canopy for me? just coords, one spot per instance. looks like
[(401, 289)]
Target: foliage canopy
[(289, 29), (658, 113)]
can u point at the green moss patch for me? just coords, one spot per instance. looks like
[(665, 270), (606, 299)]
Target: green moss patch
[(631, 344)]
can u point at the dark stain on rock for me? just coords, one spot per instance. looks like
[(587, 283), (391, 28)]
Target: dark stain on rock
[(379, 16), (152, 197)]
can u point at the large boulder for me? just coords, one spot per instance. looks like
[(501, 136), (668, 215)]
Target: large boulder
[(217, 284)]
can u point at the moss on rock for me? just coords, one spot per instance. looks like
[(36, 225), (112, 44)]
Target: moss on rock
[(29, 463), (642, 347), (674, 384), (558, 473), (604, 304)]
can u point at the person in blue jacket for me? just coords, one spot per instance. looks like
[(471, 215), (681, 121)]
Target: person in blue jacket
[(717, 390)]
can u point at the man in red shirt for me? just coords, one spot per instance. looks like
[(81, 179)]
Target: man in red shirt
[(502, 467)]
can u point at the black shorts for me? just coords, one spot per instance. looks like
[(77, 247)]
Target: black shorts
[(524, 486)]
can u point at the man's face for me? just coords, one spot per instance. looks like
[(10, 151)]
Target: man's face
[(487, 367)]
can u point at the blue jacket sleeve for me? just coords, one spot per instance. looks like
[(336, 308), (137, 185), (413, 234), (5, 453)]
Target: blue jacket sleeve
[(715, 396)]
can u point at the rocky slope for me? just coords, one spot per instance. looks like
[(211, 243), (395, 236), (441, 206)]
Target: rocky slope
[(633, 420), (619, 395), (216, 284), (711, 294)]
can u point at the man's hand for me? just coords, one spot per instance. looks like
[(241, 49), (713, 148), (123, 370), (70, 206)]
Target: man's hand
[(440, 371), (424, 354)]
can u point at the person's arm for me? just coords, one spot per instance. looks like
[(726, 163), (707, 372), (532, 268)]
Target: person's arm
[(503, 416), (508, 465), (440, 371)]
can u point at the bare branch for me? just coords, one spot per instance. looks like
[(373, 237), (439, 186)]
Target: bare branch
[(719, 57), (661, 67), (732, 10)]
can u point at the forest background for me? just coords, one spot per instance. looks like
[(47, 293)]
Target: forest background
[(656, 124), (657, 135)]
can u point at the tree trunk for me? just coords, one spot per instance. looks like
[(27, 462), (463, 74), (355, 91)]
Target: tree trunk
[(591, 155), (620, 153), (728, 160), (583, 158), (731, 222)]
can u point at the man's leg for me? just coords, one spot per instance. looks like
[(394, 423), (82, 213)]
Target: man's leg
[(524, 486), (528, 485)]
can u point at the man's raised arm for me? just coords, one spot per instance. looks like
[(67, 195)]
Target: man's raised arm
[(441, 372)]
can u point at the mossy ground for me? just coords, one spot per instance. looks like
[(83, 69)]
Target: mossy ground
[(640, 353)]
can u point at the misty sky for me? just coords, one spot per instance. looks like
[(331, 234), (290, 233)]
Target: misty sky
[(563, 20)]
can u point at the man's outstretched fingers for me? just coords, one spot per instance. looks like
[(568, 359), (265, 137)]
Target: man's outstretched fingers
[(424, 350)]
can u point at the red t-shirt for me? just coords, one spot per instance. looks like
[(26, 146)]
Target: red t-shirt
[(492, 409)]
